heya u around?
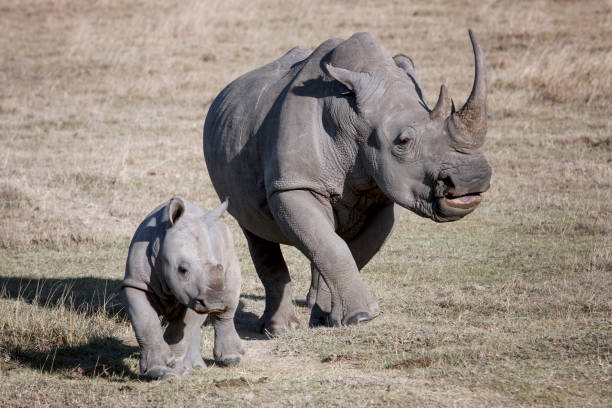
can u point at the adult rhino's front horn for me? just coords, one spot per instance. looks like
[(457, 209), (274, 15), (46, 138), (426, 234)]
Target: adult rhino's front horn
[(468, 126)]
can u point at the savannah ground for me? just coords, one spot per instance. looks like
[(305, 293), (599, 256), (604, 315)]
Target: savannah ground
[(101, 111)]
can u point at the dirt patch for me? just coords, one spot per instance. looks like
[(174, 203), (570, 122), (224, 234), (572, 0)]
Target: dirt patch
[(335, 358), (412, 362), (239, 382)]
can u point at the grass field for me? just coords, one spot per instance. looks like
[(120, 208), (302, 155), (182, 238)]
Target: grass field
[(101, 113)]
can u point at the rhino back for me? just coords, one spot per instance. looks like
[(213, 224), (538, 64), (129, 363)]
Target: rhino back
[(232, 141)]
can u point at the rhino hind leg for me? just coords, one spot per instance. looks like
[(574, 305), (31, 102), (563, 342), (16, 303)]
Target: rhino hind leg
[(279, 315), (319, 299)]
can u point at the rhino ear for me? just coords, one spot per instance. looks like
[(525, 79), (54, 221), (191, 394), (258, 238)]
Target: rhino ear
[(175, 209), (219, 210), (404, 62), (354, 81)]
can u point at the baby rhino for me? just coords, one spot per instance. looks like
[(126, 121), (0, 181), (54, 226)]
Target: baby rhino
[(182, 265)]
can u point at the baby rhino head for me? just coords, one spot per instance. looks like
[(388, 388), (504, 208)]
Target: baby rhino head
[(192, 256)]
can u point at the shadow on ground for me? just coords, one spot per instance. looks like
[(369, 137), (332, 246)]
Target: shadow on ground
[(102, 357), (86, 295)]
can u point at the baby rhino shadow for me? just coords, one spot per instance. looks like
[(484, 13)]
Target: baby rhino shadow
[(101, 357), (85, 295)]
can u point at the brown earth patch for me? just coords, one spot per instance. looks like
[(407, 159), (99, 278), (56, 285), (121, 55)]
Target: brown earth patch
[(412, 362)]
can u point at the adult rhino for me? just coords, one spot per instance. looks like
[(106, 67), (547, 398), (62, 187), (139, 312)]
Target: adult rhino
[(316, 149)]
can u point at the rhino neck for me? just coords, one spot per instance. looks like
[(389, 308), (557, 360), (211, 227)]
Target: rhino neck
[(353, 192)]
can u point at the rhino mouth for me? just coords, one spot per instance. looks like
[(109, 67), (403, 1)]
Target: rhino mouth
[(452, 208), (464, 202), (201, 308)]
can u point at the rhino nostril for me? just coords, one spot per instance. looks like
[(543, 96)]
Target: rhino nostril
[(445, 186), (448, 182)]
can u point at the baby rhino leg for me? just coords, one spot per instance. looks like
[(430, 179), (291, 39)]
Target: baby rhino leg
[(183, 337), (228, 346), (193, 324), (155, 356)]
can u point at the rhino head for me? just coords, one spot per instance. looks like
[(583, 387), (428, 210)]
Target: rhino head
[(427, 160), (189, 267)]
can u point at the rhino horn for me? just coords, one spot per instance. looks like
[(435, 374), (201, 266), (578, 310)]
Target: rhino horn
[(219, 210), (468, 126), (444, 106)]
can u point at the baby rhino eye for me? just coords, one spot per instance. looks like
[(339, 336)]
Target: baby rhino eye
[(182, 269)]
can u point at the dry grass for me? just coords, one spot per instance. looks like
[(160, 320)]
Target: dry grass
[(101, 114)]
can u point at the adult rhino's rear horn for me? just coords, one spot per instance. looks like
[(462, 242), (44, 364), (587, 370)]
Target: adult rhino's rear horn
[(444, 106), (468, 126)]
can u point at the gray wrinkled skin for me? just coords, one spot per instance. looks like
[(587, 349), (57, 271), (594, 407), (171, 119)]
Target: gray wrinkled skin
[(182, 266), (316, 149)]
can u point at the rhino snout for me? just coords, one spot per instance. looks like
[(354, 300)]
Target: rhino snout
[(207, 306)]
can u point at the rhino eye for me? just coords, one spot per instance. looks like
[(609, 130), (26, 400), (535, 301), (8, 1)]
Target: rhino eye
[(182, 269), (406, 146), (402, 139), (405, 137)]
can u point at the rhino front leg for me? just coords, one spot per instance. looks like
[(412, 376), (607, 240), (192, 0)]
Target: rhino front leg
[(308, 223), (155, 355), (272, 270), (228, 348), (183, 337), (375, 231)]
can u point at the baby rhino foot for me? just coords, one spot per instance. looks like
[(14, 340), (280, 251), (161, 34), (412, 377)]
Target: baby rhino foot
[(230, 357), (229, 353), (162, 372), (194, 362)]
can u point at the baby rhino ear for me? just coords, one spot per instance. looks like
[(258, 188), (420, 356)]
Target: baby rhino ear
[(175, 209)]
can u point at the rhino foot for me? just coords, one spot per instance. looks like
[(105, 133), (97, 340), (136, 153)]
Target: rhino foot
[(358, 318), (162, 372), (194, 362), (277, 327), (362, 317), (319, 317), (230, 361), (228, 347)]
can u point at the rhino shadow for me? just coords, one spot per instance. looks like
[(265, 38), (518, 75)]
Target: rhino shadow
[(318, 88), (85, 295), (247, 323), (101, 357)]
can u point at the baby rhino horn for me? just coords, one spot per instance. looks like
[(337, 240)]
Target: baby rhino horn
[(219, 210)]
